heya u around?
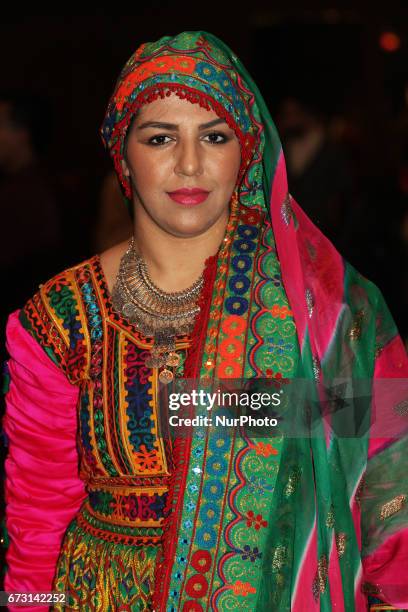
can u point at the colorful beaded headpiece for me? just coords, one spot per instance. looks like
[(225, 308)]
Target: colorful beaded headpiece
[(197, 67)]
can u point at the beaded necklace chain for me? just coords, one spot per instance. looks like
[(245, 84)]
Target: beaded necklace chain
[(155, 312)]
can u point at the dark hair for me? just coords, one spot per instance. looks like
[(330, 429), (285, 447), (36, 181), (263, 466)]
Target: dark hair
[(33, 113)]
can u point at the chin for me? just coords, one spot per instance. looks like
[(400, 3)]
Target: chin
[(186, 232), (186, 225)]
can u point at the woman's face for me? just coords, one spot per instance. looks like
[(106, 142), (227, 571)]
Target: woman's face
[(176, 145)]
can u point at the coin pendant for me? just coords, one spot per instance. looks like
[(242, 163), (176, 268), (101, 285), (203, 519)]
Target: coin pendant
[(173, 360), (166, 376)]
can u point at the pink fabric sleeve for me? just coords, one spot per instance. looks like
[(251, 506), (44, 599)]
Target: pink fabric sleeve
[(43, 490)]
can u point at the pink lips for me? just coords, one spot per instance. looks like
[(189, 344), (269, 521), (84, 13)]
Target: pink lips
[(189, 197)]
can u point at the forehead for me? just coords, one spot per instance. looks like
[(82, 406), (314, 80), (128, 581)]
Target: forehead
[(174, 110)]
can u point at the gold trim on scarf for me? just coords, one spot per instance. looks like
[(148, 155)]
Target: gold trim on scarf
[(382, 607), (293, 481), (355, 331), (392, 507), (402, 408), (341, 542), (319, 582), (330, 518)]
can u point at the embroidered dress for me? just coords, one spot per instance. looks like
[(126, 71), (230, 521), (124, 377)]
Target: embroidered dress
[(220, 519), (109, 549), (110, 546)]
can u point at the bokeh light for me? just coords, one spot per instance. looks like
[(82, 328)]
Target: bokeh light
[(390, 41)]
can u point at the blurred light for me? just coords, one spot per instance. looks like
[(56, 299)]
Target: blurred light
[(390, 42)]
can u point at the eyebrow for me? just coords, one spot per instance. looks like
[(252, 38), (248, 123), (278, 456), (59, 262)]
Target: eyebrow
[(173, 126)]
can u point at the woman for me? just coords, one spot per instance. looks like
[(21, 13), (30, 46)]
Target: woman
[(226, 278)]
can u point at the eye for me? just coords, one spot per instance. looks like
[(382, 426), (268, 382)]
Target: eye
[(158, 140), (216, 138)]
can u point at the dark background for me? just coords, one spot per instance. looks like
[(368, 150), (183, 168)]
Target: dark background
[(328, 56)]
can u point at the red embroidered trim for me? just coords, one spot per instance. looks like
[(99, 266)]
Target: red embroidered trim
[(165, 555), (118, 538), (198, 335)]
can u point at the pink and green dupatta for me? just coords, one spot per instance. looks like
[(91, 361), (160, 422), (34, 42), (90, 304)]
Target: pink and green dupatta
[(306, 522)]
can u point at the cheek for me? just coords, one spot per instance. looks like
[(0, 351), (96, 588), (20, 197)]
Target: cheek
[(148, 172), (226, 166)]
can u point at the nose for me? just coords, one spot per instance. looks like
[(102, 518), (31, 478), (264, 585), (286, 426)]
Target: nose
[(188, 158)]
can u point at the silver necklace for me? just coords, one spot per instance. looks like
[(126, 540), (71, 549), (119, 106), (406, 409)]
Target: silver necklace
[(153, 311)]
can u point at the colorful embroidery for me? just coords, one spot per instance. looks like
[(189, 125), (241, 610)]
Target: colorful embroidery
[(101, 575), (125, 465)]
